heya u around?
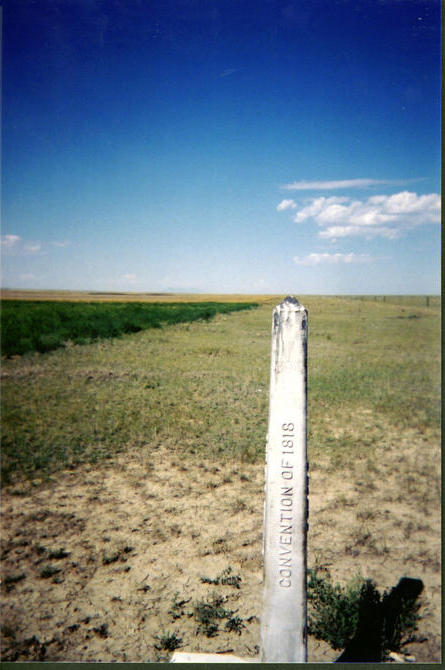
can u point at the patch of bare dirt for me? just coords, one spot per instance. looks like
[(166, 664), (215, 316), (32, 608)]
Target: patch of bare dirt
[(105, 563)]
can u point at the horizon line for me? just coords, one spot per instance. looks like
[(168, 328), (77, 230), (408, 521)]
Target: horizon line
[(191, 292)]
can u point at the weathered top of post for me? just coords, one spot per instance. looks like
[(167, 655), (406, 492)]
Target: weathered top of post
[(290, 304), (290, 300), (289, 310)]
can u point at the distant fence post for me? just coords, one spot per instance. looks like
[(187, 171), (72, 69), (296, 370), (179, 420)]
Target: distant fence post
[(283, 619)]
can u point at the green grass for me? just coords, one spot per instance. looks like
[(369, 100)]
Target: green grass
[(209, 612), (43, 326), (225, 578), (372, 355), (202, 387)]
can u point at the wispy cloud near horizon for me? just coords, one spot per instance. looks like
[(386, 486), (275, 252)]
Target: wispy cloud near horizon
[(129, 277), (60, 244), (9, 241), (343, 183), (332, 259), (14, 245)]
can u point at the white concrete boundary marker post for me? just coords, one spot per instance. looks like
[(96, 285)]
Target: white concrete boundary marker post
[(283, 620)]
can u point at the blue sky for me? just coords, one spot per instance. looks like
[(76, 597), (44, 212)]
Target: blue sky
[(275, 146)]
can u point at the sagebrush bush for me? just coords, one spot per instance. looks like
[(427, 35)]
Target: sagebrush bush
[(335, 611)]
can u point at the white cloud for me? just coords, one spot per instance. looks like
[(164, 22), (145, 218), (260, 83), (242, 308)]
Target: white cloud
[(325, 258), (336, 232), (343, 183), (60, 245), (32, 248), (129, 277), (380, 215), (286, 204), (229, 71), (9, 241), (14, 245)]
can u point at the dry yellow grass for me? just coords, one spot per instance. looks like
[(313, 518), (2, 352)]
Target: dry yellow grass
[(98, 296)]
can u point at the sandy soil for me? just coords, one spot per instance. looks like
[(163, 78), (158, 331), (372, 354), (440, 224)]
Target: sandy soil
[(93, 563)]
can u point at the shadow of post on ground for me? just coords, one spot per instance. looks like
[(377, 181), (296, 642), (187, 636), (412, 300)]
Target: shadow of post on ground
[(381, 621)]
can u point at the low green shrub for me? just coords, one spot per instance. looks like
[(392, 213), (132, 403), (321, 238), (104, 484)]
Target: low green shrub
[(168, 642), (207, 613), (335, 610), (332, 609), (226, 578)]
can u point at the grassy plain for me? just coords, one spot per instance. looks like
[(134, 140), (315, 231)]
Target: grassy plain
[(156, 442)]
